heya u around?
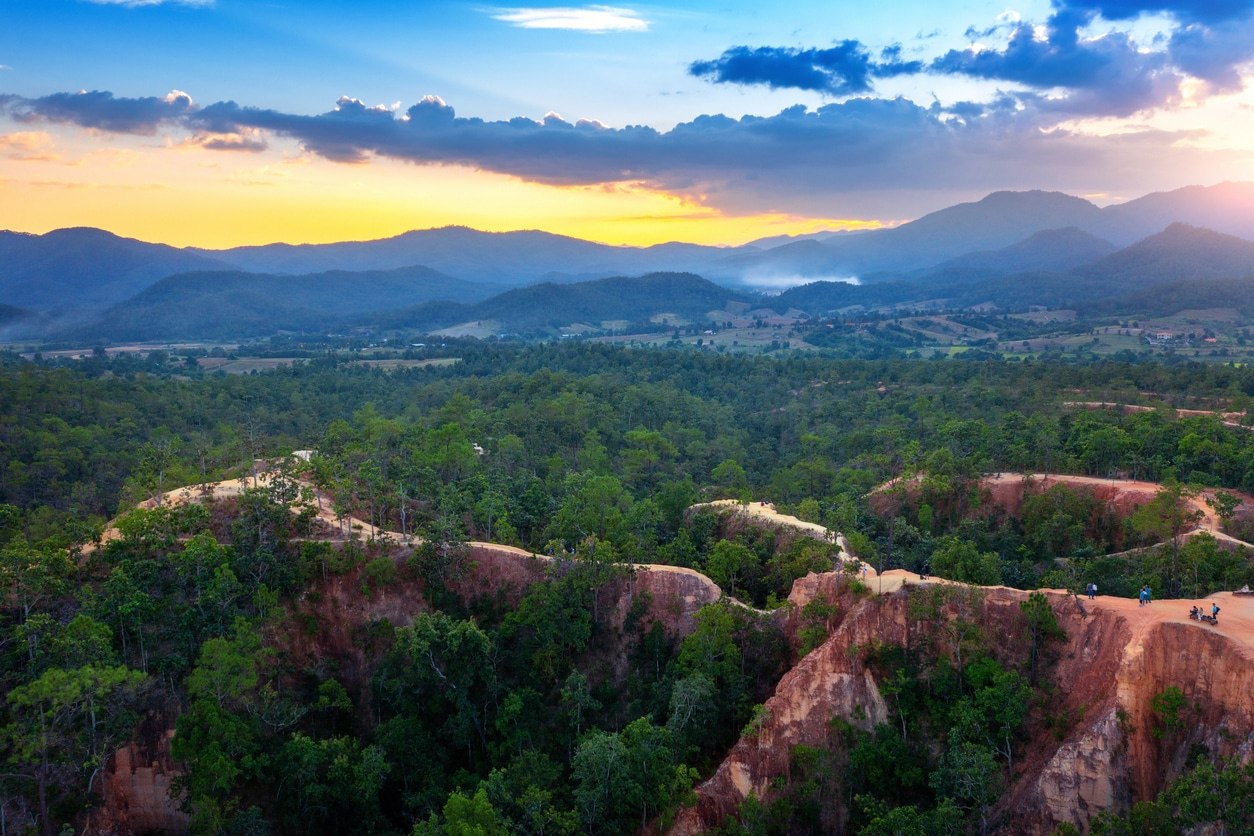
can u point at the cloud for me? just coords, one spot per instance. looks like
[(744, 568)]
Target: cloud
[(1111, 74), (234, 143), (856, 158), (132, 4), (28, 146), (1107, 75), (100, 110), (846, 68), (1189, 11), (1059, 65), (581, 19), (5, 67)]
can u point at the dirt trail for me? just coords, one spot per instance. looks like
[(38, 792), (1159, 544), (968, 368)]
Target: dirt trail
[(1210, 522), (766, 512), (1228, 419), (325, 514), (1236, 616)]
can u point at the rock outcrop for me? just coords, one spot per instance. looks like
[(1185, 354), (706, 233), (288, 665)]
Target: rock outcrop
[(137, 789), (1105, 748)]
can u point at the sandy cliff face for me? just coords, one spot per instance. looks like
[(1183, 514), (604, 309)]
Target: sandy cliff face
[(137, 787), (1100, 751)]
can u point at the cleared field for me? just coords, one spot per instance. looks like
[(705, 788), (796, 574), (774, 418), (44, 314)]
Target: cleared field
[(245, 364), (482, 329), (407, 364), (138, 348)]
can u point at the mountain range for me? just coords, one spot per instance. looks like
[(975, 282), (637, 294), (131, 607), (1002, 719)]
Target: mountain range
[(1009, 249)]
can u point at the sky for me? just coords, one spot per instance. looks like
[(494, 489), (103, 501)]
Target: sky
[(219, 123)]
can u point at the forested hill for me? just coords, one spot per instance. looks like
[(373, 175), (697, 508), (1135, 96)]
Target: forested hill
[(231, 304), (546, 306), (320, 680), (1179, 254), (1050, 249), (85, 268)]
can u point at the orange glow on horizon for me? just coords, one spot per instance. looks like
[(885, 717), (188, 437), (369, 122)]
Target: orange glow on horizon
[(183, 195)]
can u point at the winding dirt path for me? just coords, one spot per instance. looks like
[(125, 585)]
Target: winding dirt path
[(1236, 615), (325, 514), (1228, 419), (767, 513)]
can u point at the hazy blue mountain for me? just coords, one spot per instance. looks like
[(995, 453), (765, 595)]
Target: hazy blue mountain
[(75, 274), (996, 222), (548, 306), (222, 304), (780, 240), (1051, 249), (505, 258), (1177, 253), (999, 220), (19, 323), (1225, 207), (85, 268)]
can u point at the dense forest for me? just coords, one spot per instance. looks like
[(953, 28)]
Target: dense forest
[(543, 713)]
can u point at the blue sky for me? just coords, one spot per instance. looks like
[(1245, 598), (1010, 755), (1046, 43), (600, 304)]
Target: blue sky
[(808, 112)]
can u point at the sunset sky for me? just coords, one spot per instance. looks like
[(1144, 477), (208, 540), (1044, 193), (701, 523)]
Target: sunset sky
[(224, 122)]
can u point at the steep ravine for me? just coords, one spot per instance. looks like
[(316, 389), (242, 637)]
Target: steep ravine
[(139, 775), (1106, 672), (1113, 662)]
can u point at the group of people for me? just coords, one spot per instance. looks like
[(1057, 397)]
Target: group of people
[(1146, 595), (1196, 613)]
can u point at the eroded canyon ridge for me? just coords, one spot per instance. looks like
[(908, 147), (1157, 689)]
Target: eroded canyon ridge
[(574, 588)]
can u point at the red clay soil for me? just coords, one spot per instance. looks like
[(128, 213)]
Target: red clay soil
[(1229, 419), (1116, 658), (1113, 662), (139, 774), (1006, 492)]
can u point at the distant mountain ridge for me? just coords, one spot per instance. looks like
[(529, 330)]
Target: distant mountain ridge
[(998, 220), (1179, 255), (85, 268), (551, 306), (505, 258), (1008, 249), (1050, 249), (234, 304)]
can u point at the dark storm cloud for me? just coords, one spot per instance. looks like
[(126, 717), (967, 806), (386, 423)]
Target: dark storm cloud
[(846, 68)]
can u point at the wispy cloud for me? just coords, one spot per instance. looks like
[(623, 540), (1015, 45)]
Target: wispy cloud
[(133, 4), (28, 146), (580, 19)]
